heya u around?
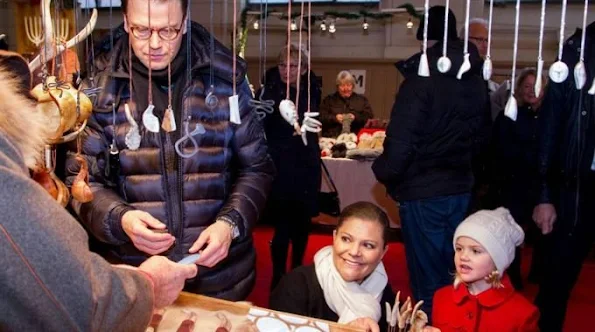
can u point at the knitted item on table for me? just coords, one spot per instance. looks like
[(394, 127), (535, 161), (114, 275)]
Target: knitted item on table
[(347, 120)]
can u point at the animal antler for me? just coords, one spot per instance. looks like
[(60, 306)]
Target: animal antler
[(47, 51)]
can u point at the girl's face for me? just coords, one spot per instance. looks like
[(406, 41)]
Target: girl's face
[(472, 261), (358, 247)]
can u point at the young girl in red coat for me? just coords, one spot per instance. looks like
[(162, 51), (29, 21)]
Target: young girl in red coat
[(482, 297)]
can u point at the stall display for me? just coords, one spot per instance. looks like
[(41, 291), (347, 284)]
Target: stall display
[(193, 312)]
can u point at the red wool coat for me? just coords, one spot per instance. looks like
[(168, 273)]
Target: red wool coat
[(495, 310)]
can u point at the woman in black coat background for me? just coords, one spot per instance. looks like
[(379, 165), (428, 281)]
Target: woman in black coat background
[(293, 199)]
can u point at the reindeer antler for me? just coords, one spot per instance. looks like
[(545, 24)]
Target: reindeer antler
[(47, 51)]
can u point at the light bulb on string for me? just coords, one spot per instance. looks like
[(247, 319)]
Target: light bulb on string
[(323, 25), (332, 28), (256, 25), (365, 25), (293, 25), (409, 24)]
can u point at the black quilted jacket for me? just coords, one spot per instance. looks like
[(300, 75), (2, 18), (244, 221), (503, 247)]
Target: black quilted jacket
[(230, 175)]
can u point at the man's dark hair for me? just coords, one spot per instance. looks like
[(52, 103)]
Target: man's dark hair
[(183, 2), (366, 211)]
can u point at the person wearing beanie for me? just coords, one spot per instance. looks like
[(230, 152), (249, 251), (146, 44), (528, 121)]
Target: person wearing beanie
[(436, 125), (482, 297)]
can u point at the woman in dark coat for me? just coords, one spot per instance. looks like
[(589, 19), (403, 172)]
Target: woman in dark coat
[(515, 163), (293, 200)]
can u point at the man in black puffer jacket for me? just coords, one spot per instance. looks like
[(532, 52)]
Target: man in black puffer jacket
[(212, 198), (426, 165), (567, 182)]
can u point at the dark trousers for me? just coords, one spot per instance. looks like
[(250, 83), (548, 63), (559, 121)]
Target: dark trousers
[(292, 223), (569, 244), (428, 227)]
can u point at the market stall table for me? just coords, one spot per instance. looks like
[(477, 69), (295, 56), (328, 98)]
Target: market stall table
[(355, 182), (208, 313)]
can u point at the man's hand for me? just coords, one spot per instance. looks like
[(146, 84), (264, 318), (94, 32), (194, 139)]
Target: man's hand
[(136, 224), (365, 323), (168, 278), (339, 118), (544, 216), (218, 239), (430, 329)]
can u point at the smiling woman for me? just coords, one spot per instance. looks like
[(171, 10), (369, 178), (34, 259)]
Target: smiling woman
[(348, 282)]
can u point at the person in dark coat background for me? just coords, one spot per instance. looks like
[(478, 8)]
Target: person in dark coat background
[(435, 125), (514, 162), (344, 101), (293, 199), (566, 182)]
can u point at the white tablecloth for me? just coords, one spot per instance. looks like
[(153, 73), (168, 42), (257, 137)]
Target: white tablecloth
[(355, 182)]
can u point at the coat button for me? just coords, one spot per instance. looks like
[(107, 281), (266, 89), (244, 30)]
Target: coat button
[(584, 113)]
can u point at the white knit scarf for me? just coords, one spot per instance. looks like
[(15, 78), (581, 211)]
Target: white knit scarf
[(349, 300)]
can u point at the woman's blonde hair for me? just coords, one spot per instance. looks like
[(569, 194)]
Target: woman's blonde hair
[(345, 77), (520, 79)]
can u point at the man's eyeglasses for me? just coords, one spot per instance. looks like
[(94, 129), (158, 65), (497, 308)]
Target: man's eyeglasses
[(144, 33), (479, 40)]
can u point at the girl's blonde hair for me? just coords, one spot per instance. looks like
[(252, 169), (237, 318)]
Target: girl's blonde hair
[(494, 279)]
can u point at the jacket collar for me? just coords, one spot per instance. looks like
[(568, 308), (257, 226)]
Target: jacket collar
[(490, 298)]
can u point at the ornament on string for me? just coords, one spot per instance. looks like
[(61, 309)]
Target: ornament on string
[(444, 62), (511, 109), (132, 138), (580, 74), (487, 64), (424, 68), (466, 63), (539, 78), (559, 70)]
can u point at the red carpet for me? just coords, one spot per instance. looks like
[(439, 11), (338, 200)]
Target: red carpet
[(581, 306)]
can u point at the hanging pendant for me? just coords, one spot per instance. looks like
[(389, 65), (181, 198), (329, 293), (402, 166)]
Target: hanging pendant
[(487, 65), (466, 64), (288, 112), (169, 120), (211, 100), (559, 70), (580, 74), (592, 89), (511, 109), (487, 69), (444, 62), (424, 69), (539, 78), (234, 110), (132, 138), (150, 121)]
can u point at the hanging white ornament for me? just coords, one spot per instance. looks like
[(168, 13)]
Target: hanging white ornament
[(169, 120), (150, 121), (288, 112), (592, 89), (444, 62), (132, 138), (487, 64), (580, 74), (424, 68), (310, 125), (511, 109), (539, 78), (466, 64), (559, 70)]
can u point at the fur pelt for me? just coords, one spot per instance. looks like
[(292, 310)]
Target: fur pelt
[(20, 121)]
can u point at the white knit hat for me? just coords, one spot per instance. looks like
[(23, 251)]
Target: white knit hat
[(496, 231)]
